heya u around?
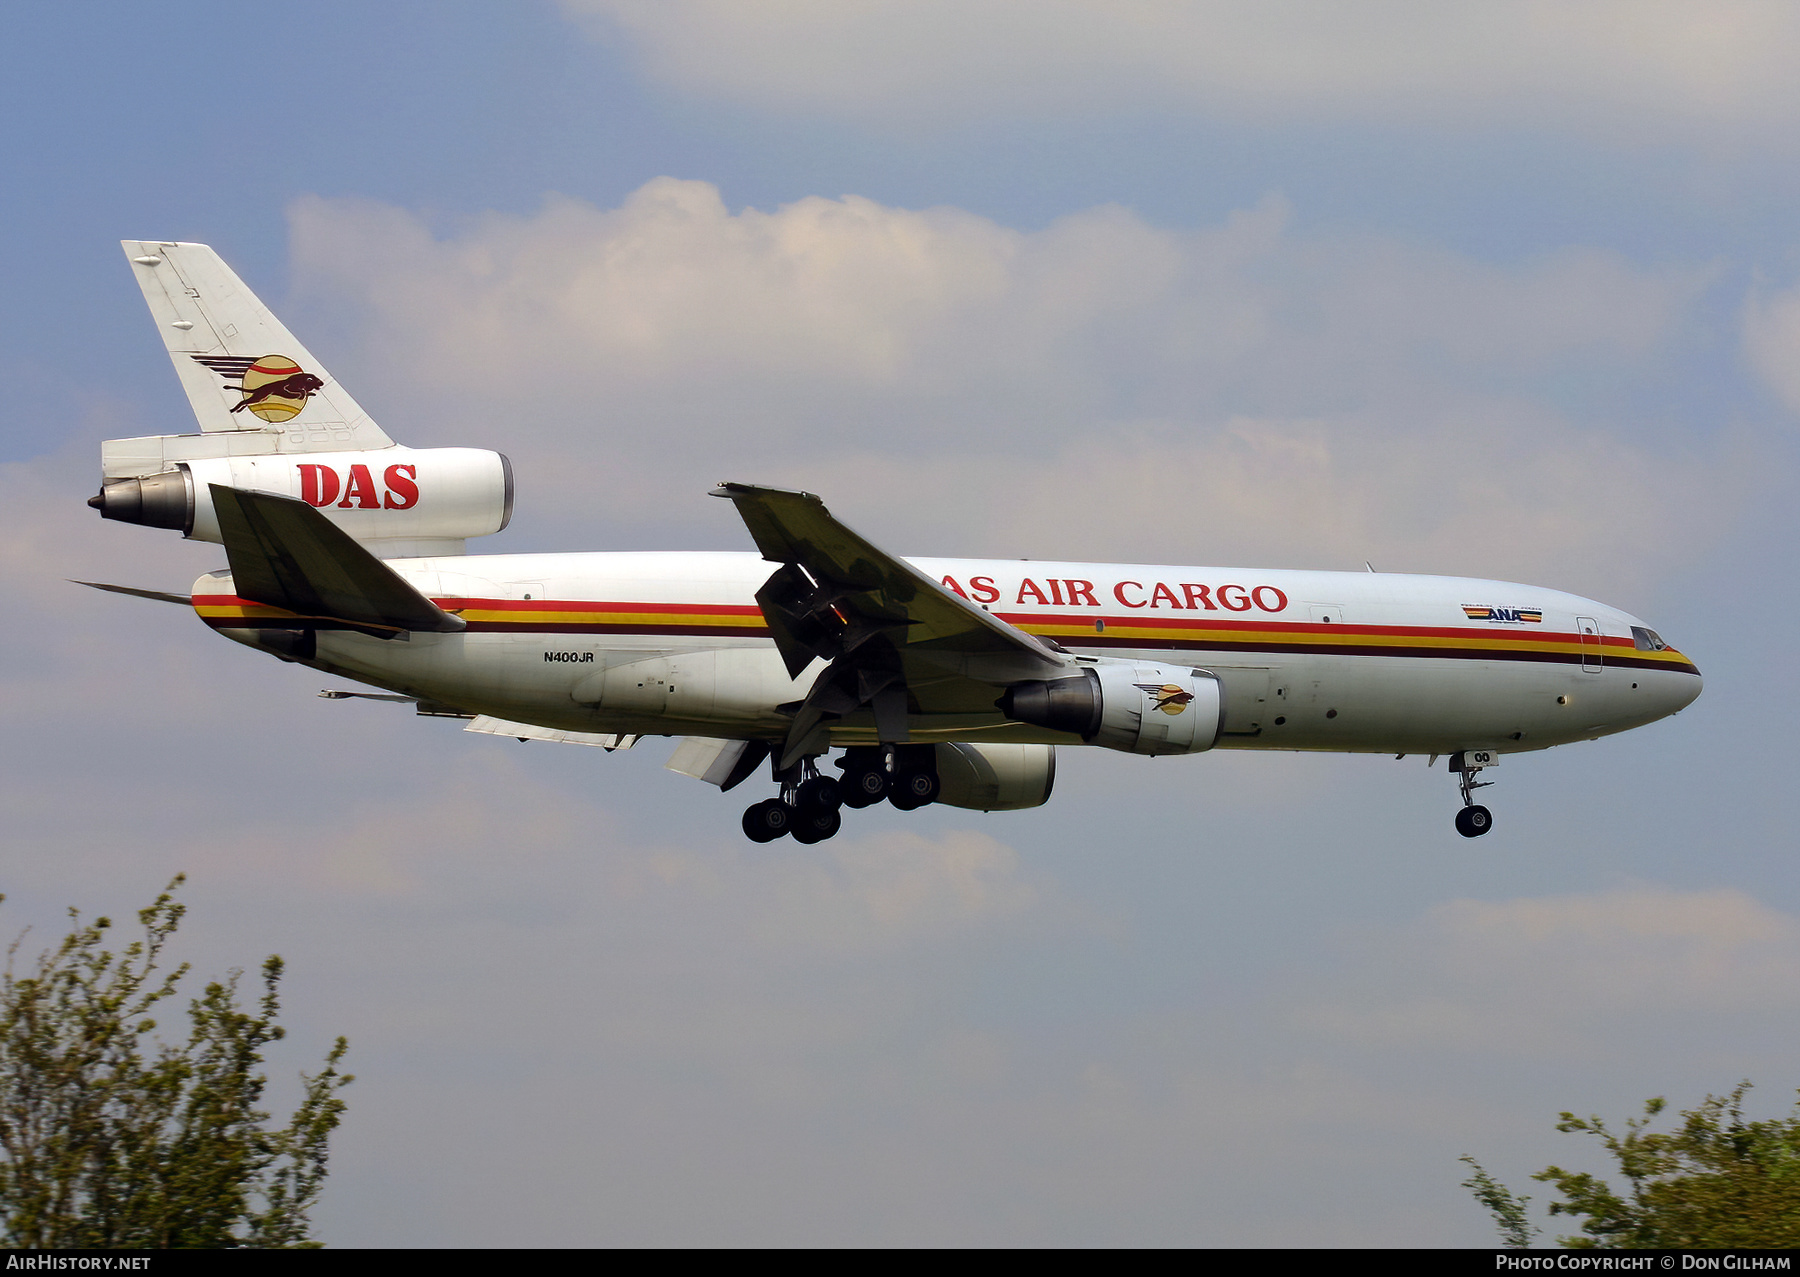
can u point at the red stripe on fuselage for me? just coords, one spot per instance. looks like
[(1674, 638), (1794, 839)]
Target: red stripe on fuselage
[(1271, 635)]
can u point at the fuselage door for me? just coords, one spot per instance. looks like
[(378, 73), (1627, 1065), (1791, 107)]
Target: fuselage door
[(1592, 658)]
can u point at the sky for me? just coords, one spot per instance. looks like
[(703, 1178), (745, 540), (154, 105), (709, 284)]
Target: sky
[(1507, 291)]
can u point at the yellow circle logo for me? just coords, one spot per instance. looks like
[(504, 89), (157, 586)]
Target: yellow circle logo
[(276, 388), (1167, 697)]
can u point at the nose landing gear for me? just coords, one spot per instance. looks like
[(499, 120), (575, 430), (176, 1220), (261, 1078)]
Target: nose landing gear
[(1473, 820)]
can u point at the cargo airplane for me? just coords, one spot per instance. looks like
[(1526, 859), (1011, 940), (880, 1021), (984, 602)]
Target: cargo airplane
[(940, 680)]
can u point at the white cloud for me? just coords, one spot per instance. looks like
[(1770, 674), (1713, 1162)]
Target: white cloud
[(1772, 341), (1572, 977), (1630, 67), (1242, 390)]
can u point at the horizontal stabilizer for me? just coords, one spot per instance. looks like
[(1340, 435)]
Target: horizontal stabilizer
[(161, 596), (286, 554)]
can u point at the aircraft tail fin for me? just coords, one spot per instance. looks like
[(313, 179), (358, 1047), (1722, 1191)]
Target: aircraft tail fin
[(242, 369), (286, 554)]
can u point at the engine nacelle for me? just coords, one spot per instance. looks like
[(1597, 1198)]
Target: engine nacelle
[(995, 777), (396, 500), (1139, 708)]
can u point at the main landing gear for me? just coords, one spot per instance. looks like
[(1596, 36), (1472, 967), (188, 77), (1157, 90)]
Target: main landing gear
[(808, 807), (1473, 820)]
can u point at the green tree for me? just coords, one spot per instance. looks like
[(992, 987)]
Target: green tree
[(1717, 1180), (1507, 1208), (112, 1138)]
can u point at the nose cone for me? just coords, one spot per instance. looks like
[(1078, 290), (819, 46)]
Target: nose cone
[(1685, 696), (1675, 686)]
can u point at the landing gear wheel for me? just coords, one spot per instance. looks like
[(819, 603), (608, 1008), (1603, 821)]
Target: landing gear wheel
[(913, 790), (865, 788), (816, 824), (1474, 821), (768, 820), (821, 791)]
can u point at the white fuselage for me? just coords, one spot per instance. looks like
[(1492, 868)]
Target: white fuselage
[(675, 644)]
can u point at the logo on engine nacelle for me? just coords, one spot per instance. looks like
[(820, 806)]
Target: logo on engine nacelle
[(1169, 698)]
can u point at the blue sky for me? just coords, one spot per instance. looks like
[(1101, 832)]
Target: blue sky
[(1511, 293)]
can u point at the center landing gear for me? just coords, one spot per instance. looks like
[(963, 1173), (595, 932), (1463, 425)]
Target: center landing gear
[(1473, 820), (768, 820), (808, 806)]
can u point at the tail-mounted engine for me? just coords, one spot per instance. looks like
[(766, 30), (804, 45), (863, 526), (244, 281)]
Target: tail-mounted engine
[(395, 500), (274, 420), (1137, 708)]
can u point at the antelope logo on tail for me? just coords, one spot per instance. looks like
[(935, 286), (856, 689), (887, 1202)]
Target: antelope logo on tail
[(274, 387)]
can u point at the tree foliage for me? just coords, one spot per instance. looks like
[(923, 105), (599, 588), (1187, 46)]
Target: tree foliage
[(1718, 1180), (1507, 1208), (112, 1138)]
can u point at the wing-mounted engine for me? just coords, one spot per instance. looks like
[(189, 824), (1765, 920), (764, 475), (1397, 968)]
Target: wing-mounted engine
[(995, 777), (394, 500), (1125, 705)]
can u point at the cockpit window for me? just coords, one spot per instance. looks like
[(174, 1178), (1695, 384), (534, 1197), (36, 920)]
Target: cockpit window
[(1646, 640)]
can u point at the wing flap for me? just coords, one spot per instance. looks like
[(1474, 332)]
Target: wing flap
[(725, 763), (608, 741)]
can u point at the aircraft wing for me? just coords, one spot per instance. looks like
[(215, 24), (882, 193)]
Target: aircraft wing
[(286, 554), (897, 641)]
